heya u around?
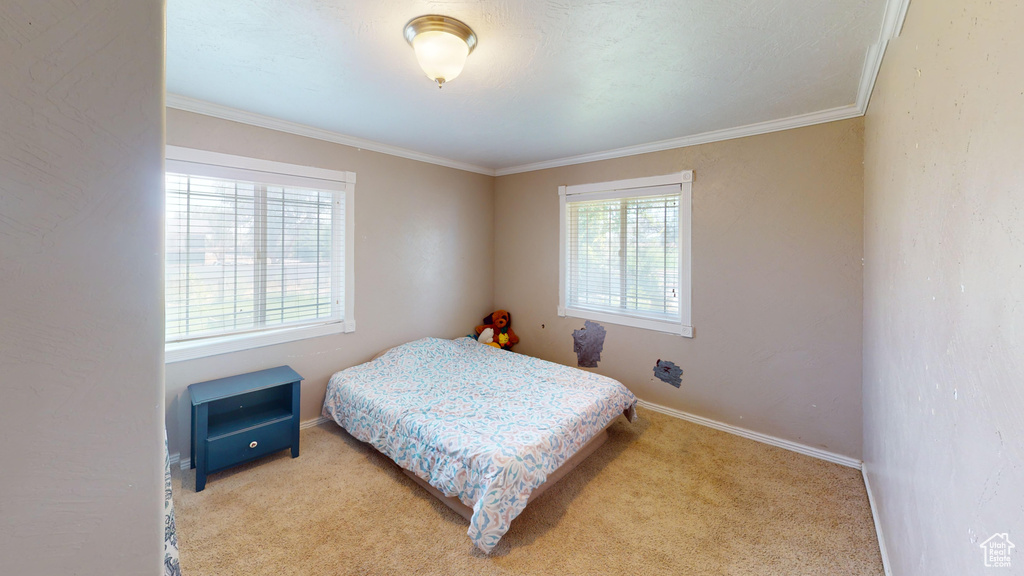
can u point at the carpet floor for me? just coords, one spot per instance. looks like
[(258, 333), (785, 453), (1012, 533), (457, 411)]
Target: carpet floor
[(662, 496)]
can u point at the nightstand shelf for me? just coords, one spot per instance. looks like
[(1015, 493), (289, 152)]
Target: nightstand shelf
[(244, 417), (226, 426)]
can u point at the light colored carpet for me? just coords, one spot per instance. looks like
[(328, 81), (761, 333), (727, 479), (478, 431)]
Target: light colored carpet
[(662, 496)]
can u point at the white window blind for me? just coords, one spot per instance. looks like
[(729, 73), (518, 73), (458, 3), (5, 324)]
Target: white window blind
[(625, 252), (245, 256), (624, 255)]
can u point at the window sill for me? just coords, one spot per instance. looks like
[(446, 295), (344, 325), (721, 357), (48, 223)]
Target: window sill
[(624, 320), (181, 351)]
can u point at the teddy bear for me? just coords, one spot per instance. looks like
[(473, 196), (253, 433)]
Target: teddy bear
[(500, 323)]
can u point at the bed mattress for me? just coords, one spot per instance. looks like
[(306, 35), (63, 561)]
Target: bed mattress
[(480, 424)]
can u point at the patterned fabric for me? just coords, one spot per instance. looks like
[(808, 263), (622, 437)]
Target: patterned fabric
[(171, 565), (478, 423)]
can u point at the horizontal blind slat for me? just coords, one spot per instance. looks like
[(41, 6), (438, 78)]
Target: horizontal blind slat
[(220, 253), (623, 254)]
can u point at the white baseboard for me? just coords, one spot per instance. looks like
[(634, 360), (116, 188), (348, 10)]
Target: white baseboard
[(177, 461), (745, 433), (878, 522), (187, 462), (757, 436), (314, 422), (795, 447)]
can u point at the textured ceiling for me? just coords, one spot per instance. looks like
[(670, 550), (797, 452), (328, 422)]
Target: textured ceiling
[(549, 79)]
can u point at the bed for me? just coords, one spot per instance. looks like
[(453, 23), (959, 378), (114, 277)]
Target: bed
[(483, 429)]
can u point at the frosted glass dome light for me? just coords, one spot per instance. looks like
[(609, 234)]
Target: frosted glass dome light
[(441, 44)]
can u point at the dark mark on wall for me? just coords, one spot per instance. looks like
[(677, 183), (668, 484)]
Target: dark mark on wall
[(588, 343), (668, 372)]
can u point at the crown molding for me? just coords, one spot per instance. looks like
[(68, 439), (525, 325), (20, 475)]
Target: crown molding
[(831, 115), (187, 104), (892, 24)]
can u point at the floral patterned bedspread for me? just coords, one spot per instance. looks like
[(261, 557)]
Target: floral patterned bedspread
[(172, 565), (480, 424)]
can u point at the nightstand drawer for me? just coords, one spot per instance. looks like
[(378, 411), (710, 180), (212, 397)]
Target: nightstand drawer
[(245, 445)]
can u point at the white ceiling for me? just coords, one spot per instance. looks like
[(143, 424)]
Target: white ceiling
[(551, 82)]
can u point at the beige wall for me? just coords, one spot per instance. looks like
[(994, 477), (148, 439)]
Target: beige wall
[(943, 287), (423, 257), (777, 279), (81, 351)]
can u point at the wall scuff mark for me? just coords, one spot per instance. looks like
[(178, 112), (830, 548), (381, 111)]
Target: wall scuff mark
[(588, 342), (668, 372)]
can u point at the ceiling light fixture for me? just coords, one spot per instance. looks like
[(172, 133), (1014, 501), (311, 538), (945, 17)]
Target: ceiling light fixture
[(441, 44)]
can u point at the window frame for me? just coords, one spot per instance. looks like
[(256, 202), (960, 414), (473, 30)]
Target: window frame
[(214, 164), (629, 188)]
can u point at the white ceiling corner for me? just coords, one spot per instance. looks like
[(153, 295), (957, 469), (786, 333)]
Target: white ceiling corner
[(550, 85)]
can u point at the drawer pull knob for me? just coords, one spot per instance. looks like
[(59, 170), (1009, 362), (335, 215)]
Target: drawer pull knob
[(252, 444)]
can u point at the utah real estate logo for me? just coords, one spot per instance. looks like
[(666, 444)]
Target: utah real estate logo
[(997, 550)]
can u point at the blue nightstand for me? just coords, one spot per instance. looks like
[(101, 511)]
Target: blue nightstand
[(244, 417)]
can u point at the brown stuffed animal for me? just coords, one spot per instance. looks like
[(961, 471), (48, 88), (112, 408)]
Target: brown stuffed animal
[(501, 322)]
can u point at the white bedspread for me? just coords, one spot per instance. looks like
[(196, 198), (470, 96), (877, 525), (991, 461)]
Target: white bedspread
[(480, 424)]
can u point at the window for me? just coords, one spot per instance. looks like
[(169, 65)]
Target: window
[(625, 252), (256, 253)]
